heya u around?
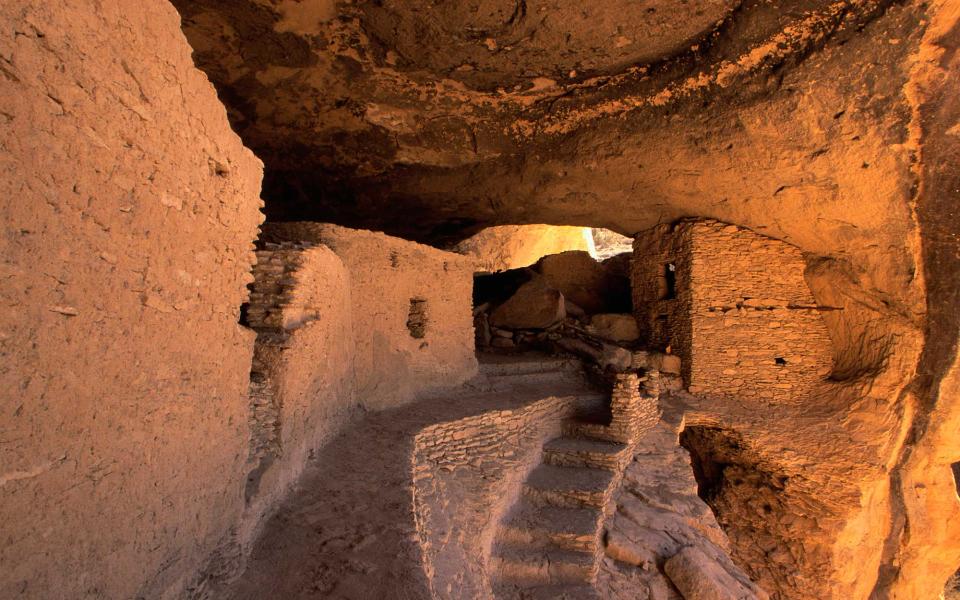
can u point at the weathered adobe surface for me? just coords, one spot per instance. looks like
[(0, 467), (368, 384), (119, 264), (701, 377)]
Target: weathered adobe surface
[(129, 209), (302, 374), (411, 317)]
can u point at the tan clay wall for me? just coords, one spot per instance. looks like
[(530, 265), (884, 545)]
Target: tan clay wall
[(129, 210), (467, 474), (386, 274), (514, 246), (744, 320), (302, 376)]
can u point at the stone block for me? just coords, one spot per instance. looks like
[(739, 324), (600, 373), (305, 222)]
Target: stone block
[(533, 306)]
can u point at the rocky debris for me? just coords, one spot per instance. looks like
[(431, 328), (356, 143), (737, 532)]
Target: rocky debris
[(615, 327), (534, 306), (606, 356), (663, 536), (573, 309)]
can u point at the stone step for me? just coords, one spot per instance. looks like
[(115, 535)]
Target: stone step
[(585, 452), (507, 591), (570, 487), (534, 525), (543, 566), (576, 428), (497, 367), (512, 380)]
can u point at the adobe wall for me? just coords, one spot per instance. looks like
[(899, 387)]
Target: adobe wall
[(302, 376), (743, 319), (394, 282), (128, 217), (467, 474)]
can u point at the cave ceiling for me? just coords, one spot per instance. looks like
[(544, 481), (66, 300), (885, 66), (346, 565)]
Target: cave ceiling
[(431, 119)]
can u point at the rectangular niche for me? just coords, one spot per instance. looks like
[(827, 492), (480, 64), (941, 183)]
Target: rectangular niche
[(417, 318)]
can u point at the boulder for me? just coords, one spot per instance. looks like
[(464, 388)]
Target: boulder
[(534, 306), (573, 310), (615, 358), (615, 327), (665, 363), (586, 282)]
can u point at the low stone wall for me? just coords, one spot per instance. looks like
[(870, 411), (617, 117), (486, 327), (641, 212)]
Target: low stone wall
[(467, 474), (411, 305)]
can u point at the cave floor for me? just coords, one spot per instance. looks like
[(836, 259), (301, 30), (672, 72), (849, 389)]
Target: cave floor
[(347, 530)]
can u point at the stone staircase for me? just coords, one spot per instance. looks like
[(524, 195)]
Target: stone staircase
[(500, 373), (549, 545)]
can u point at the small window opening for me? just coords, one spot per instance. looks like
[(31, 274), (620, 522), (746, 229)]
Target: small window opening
[(244, 314), (417, 318), (668, 282), (781, 361)]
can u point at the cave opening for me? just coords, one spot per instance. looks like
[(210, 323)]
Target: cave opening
[(536, 284)]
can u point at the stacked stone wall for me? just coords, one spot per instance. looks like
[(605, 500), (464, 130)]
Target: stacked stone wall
[(743, 319), (664, 318), (301, 380), (467, 474)]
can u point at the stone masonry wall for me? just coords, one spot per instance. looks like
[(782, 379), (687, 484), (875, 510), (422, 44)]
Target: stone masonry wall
[(128, 215), (388, 277), (467, 474), (663, 309), (301, 388), (744, 320)]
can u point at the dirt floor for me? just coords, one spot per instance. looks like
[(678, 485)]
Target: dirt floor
[(348, 531)]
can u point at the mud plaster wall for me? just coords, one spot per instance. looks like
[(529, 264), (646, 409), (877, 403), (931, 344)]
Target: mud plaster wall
[(742, 318), (128, 218), (467, 474), (301, 388), (386, 274)]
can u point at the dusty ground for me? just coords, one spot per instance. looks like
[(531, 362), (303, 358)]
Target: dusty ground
[(348, 530)]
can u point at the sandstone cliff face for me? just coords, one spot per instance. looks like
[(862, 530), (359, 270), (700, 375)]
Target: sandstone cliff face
[(128, 214), (513, 246)]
